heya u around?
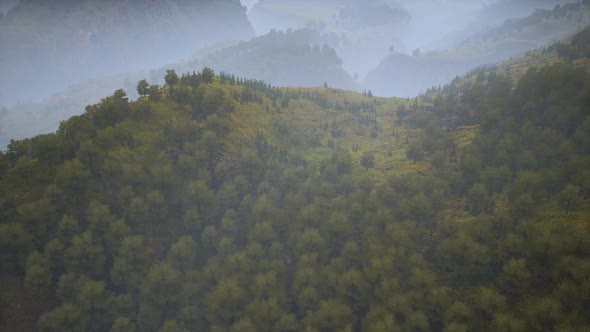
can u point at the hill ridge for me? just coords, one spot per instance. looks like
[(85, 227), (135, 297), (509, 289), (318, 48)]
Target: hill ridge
[(215, 202)]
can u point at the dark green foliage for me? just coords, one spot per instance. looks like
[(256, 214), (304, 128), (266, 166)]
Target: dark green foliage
[(130, 263), (367, 160), (415, 152), (15, 243), (338, 165), (268, 151), (478, 200), (65, 317), (182, 95), (515, 279), (171, 78), (38, 276), (207, 75), (141, 110), (570, 197), (578, 47), (110, 111), (133, 219), (143, 88), (154, 93)]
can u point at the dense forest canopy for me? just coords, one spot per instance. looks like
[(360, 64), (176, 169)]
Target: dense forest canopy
[(222, 203)]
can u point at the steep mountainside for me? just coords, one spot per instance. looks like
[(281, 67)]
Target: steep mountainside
[(403, 75), (218, 203), (360, 31), (293, 58), (49, 45), (364, 32), (25, 120), (6, 5)]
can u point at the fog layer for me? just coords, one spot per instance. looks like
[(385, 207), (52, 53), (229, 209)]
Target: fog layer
[(48, 45), (365, 32), (405, 75), (394, 48)]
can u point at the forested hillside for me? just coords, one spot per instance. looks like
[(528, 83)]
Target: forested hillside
[(360, 32), (343, 37), (49, 45), (495, 13), (221, 203), (291, 58), (405, 75), (282, 58)]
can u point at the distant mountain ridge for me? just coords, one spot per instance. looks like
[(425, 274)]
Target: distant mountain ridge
[(48, 45), (291, 58), (301, 60), (217, 203), (404, 75)]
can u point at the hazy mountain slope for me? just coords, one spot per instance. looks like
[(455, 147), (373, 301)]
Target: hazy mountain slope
[(497, 11), (360, 31), (292, 58), (402, 75), (224, 204), (284, 14), (7, 5), (289, 59), (48, 45), (494, 14), (20, 121), (363, 32)]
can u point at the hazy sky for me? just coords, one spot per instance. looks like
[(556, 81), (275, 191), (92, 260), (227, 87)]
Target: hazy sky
[(249, 3), (5, 5)]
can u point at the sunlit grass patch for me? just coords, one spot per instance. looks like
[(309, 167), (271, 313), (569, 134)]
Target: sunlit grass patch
[(464, 135), (578, 217)]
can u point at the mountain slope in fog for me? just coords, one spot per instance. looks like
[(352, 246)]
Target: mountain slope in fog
[(294, 58), (48, 45), (7, 5), (364, 32), (224, 204), (403, 75), (360, 31), (291, 58)]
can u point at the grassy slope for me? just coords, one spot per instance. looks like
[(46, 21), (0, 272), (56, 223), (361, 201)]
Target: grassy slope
[(306, 116), (303, 117), (516, 68)]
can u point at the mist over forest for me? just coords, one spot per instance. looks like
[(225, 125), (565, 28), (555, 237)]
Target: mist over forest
[(294, 165), (379, 25), (49, 45), (63, 55)]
